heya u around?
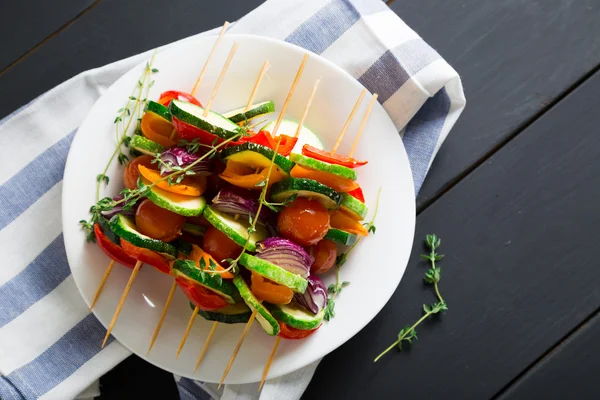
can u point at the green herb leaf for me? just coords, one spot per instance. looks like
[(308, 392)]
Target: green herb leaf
[(202, 264), (102, 177), (372, 229)]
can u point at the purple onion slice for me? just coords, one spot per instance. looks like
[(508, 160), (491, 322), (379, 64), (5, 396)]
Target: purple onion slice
[(119, 208), (285, 254), (180, 157), (314, 299), (234, 201)]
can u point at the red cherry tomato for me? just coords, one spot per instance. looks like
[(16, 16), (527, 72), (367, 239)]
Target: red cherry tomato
[(287, 332), (158, 223), (147, 256), (304, 221), (326, 156), (325, 253), (132, 172), (113, 250), (357, 194), (166, 97), (202, 298), (219, 246)]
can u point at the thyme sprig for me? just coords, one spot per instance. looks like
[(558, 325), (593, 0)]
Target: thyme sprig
[(432, 276), (335, 289)]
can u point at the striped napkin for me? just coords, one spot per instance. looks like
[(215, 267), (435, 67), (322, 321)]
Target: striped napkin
[(49, 342)]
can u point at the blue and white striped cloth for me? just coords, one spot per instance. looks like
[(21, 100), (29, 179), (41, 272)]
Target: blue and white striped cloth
[(49, 342)]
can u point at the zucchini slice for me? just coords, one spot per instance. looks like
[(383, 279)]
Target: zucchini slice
[(188, 270), (158, 109), (341, 237), (187, 206), (273, 272), (237, 313), (303, 187), (145, 146), (125, 228), (238, 115), (296, 316), (256, 156), (193, 229), (235, 230), (354, 207), (213, 123), (108, 232), (264, 318), (334, 169)]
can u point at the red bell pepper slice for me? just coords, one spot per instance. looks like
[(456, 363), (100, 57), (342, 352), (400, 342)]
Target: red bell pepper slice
[(287, 144), (190, 132), (147, 256), (166, 97), (287, 332), (113, 250), (264, 138), (202, 298), (326, 156), (357, 194)]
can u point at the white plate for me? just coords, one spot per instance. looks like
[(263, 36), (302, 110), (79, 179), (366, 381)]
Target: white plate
[(374, 269)]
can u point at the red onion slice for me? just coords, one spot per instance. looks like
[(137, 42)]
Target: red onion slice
[(234, 201), (315, 296), (180, 157), (285, 254)]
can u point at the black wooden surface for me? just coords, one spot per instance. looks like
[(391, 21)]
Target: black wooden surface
[(518, 227)]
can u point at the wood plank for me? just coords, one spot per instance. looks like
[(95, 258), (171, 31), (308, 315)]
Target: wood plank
[(520, 271), (570, 371), (24, 24), (111, 31), (515, 57)]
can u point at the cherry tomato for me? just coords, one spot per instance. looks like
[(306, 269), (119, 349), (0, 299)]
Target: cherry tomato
[(267, 290), (202, 298), (341, 220), (166, 97), (287, 332), (304, 221), (326, 156), (132, 173), (218, 245), (147, 256), (335, 182), (157, 129), (113, 250), (158, 223), (358, 194), (325, 253)]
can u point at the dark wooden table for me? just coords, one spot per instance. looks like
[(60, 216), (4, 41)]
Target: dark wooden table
[(513, 192)]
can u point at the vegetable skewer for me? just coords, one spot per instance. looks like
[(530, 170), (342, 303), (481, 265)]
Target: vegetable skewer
[(279, 119), (356, 140), (347, 124), (220, 79), (136, 269), (174, 285), (261, 74), (307, 107)]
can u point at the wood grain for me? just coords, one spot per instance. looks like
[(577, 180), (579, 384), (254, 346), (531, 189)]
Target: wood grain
[(520, 271)]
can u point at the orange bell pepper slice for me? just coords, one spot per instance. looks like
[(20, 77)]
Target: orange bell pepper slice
[(198, 254), (270, 291), (187, 187), (245, 177), (157, 129), (341, 220), (335, 182)]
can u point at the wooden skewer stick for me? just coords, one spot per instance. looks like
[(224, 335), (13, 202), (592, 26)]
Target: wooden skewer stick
[(237, 347), (306, 108), (268, 366), (220, 79), (363, 123), (187, 331), (212, 52), (102, 283), (264, 69), (206, 343), (162, 316), (347, 124), (290, 94), (136, 269)]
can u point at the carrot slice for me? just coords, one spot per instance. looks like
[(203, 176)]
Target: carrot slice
[(187, 187), (198, 253), (335, 182)]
